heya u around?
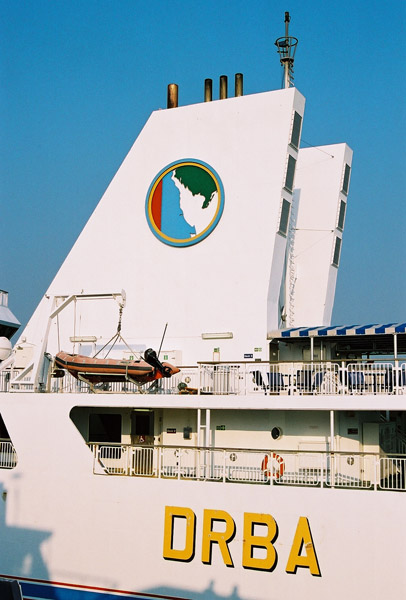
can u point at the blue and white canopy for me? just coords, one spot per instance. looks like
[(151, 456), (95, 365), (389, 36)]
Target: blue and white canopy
[(368, 339), (339, 330)]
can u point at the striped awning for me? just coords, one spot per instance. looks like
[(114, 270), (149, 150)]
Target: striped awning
[(339, 330)]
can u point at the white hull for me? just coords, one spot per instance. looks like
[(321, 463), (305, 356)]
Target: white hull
[(220, 226), (108, 532)]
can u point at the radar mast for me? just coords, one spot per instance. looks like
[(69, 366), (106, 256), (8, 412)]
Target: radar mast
[(286, 49)]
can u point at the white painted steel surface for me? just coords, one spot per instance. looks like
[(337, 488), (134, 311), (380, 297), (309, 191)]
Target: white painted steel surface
[(318, 195), (61, 520), (208, 132)]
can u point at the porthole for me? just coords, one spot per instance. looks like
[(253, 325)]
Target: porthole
[(276, 433)]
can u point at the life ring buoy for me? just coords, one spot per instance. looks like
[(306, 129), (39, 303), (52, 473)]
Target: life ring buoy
[(276, 473)]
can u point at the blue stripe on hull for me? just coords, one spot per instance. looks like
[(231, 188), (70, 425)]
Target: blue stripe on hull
[(41, 591)]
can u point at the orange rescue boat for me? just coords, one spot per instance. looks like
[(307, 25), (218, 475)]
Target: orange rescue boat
[(98, 370)]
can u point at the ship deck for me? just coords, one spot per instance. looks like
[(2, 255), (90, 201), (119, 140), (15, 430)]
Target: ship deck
[(280, 382)]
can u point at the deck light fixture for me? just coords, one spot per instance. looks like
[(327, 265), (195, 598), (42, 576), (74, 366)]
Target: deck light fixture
[(224, 335)]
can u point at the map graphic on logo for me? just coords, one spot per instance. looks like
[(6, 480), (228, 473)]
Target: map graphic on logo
[(184, 203)]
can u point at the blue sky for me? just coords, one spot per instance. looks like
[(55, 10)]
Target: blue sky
[(80, 78)]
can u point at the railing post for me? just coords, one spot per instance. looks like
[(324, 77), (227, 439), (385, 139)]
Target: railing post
[(199, 425), (207, 432), (397, 378), (224, 466), (291, 380), (128, 451), (323, 469), (343, 373), (377, 471), (95, 451)]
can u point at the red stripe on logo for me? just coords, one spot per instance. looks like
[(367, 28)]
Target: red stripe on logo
[(156, 205)]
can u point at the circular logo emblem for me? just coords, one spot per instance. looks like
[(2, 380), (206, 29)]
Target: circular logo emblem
[(184, 203)]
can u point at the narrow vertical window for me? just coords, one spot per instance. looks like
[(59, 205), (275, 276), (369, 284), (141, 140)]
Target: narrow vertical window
[(341, 215), (346, 179), (283, 223), (290, 173), (337, 251), (296, 129)]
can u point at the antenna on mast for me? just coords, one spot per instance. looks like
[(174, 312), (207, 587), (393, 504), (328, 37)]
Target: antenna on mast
[(286, 49)]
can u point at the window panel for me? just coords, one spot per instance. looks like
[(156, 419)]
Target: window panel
[(337, 252), (296, 129), (346, 179), (285, 212), (290, 173), (341, 216)]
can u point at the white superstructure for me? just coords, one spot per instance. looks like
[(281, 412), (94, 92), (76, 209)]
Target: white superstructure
[(249, 276), (320, 202), (273, 464)]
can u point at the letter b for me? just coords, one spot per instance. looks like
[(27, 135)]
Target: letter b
[(251, 541)]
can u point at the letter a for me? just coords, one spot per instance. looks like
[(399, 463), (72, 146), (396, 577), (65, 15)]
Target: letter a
[(303, 539), (186, 554)]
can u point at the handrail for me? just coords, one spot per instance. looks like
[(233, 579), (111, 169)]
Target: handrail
[(247, 450), (355, 470), (327, 377)]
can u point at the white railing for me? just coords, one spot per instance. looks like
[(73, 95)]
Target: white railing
[(294, 378), (187, 381), (352, 470), (245, 378), (376, 378), (220, 379), (393, 473), (309, 469), (8, 455), (300, 468)]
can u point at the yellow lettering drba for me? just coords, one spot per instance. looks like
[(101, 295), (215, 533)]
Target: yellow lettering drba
[(218, 531)]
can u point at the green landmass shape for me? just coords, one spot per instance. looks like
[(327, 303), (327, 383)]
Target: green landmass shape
[(198, 181)]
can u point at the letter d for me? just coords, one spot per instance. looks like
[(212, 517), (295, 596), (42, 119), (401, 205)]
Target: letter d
[(169, 552)]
